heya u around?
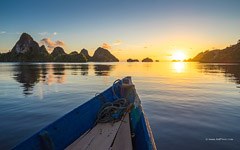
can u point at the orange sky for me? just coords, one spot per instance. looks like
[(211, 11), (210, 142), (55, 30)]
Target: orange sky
[(129, 29)]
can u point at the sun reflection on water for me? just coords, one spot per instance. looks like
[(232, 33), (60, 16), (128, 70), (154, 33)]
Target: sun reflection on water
[(178, 67)]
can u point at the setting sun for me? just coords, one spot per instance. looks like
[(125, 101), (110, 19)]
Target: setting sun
[(179, 56)]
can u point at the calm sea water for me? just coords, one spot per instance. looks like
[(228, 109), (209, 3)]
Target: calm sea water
[(189, 105)]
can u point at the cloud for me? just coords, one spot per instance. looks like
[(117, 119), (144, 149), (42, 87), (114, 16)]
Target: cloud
[(109, 46), (43, 33), (3, 32), (47, 33), (51, 44), (9, 33), (60, 43), (106, 46), (118, 42)]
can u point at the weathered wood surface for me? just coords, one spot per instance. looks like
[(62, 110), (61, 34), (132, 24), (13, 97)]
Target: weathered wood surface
[(123, 140), (99, 138), (104, 136)]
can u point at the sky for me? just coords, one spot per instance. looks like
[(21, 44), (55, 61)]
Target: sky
[(128, 28)]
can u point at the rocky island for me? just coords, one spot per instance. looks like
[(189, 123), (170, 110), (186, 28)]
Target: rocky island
[(229, 54), (147, 60), (132, 60), (103, 55), (85, 53), (28, 50)]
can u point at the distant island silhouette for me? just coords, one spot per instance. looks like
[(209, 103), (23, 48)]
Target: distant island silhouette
[(28, 50), (147, 60), (132, 60), (229, 54), (144, 60)]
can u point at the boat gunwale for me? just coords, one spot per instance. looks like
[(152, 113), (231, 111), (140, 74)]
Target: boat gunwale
[(143, 121)]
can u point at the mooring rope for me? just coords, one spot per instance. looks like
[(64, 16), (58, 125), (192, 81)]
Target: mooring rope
[(113, 87), (113, 111)]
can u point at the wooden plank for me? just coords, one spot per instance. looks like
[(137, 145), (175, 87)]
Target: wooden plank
[(73, 145), (123, 140), (100, 137)]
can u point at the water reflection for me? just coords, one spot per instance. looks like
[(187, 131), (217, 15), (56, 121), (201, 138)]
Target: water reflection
[(84, 69), (58, 69), (102, 70), (190, 94), (230, 71), (76, 69), (59, 73), (43, 72), (178, 66), (30, 74)]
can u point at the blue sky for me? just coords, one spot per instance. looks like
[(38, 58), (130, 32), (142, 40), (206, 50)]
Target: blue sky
[(154, 27)]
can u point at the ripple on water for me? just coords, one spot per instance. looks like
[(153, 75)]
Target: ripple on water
[(184, 106)]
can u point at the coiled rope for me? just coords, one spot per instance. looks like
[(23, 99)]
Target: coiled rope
[(113, 111)]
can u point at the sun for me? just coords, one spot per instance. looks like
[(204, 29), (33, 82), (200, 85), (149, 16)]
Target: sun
[(178, 56)]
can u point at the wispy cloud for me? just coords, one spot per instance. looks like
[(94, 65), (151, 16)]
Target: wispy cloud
[(106, 46), (109, 46), (9, 33), (117, 42), (59, 43), (48, 34), (43, 33), (51, 44), (3, 32)]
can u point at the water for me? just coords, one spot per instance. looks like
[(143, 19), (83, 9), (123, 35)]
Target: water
[(189, 105)]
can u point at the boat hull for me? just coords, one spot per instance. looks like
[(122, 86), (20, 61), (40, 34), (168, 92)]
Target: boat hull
[(71, 126)]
